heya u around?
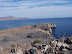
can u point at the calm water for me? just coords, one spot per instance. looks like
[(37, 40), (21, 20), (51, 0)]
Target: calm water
[(64, 25)]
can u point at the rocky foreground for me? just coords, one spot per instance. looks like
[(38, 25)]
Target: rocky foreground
[(26, 34)]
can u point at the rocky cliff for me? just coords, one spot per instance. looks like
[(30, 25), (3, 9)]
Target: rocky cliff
[(27, 34)]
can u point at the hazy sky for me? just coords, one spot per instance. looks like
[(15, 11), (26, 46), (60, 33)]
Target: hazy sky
[(36, 8)]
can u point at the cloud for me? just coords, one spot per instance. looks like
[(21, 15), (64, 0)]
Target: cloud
[(29, 2), (6, 0), (32, 9)]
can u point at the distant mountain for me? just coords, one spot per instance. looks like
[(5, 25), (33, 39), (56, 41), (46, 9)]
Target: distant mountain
[(12, 18)]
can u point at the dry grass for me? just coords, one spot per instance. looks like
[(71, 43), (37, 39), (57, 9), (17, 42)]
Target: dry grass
[(20, 29), (23, 47), (14, 30)]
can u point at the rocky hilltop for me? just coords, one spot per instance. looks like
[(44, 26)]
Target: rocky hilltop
[(27, 34), (12, 18)]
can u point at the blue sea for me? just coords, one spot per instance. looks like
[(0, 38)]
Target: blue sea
[(63, 25)]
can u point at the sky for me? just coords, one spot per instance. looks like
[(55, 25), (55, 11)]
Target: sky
[(36, 8)]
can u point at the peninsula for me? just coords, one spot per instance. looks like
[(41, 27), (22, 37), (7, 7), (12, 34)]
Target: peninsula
[(26, 34), (33, 39)]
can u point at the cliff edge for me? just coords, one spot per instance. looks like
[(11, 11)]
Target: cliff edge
[(27, 34)]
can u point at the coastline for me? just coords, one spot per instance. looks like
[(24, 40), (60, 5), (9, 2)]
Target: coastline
[(27, 34), (19, 29), (23, 39)]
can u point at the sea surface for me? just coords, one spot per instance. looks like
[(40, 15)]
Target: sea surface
[(63, 25)]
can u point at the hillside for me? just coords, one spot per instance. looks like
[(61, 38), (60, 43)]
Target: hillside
[(26, 34), (12, 18)]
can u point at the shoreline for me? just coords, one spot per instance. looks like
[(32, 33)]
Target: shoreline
[(22, 39), (12, 30), (27, 34)]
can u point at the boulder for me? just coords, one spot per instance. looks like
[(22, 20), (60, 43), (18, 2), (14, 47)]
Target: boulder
[(12, 51), (32, 51), (50, 50), (26, 52), (37, 45), (62, 47)]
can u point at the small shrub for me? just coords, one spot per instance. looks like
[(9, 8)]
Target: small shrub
[(36, 41), (12, 46)]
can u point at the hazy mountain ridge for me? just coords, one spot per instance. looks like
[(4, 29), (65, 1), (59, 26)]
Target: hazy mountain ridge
[(12, 18)]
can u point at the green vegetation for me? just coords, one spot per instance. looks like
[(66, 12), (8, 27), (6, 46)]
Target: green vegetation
[(36, 41), (12, 46)]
